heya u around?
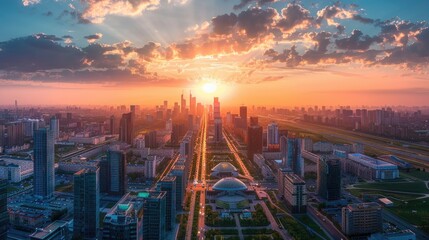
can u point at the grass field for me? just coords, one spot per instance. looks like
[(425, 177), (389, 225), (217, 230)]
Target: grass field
[(405, 210), (309, 222), (424, 176), (392, 196), (412, 187)]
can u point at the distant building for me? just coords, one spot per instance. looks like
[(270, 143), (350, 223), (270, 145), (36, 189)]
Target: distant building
[(126, 128), (57, 230), (4, 216), (15, 169), (273, 143), (254, 138), (329, 178), (243, 117), (54, 126), (362, 219), (150, 167), (217, 121), (112, 125), (168, 185), (150, 139), (224, 169), (295, 193), (44, 172), (86, 203)]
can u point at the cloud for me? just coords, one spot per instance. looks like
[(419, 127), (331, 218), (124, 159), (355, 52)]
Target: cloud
[(30, 2), (224, 24), (256, 22), (357, 41), (260, 3), (294, 17), (95, 11), (94, 37)]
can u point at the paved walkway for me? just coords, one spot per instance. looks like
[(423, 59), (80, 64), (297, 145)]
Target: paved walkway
[(237, 223)]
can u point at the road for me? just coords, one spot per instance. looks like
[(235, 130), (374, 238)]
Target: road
[(323, 221), (166, 170), (235, 151), (200, 165)]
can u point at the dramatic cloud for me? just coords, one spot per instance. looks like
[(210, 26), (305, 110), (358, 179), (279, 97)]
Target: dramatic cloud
[(244, 3), (224, 24), (294, 16), (96, 10), (94, 37), (357, 41), (256, 22)]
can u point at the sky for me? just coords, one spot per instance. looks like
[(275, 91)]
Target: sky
[(256, 52)]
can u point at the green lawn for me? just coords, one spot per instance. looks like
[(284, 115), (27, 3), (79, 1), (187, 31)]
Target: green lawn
[(392, 196), (309, 222), (424, 176), (405, 210), (413, 187)]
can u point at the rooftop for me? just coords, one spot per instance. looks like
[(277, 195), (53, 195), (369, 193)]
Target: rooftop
[(229, 184), (369, 161), (224, 167)]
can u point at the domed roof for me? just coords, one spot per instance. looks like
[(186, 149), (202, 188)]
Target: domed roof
[(229, 184), (224, 167)]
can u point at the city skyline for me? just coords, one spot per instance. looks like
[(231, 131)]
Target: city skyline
[(286, 53)]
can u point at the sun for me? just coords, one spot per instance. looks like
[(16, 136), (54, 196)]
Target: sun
[(209, 87)]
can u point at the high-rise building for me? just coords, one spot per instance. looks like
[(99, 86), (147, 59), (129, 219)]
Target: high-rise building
[(329, 178), (86, 203), (104, 175), (112, 125), (124, 221), (192, 104), (15, 134), (133, 109), (295, 193), (150, 139), (273, 137), (182, 104), (243, 117), (168, 185), (2, 135), (117, 164), (150, 167), (254, 138), (362, 219), (54, 126), (44, 172), (178, 171), (177, 133), (293, 158), (154, 217), (4, 216), (126, 129)]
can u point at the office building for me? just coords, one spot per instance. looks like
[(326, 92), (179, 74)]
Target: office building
[(116, 172), (178, 171), (293, 158), (44, 172), (369, 168), (295, 193), (126, 128), (125, 220), (254, 138), (243, 117), (329, 178), (273, 143), (86, 203), (150, 167), (112, 125), (361, 219), (57, 230), (54, 126), (150, 139), (4, 216), (168, 185), (154, 209)]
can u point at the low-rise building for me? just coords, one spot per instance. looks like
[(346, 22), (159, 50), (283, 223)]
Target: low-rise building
[(362, 219)]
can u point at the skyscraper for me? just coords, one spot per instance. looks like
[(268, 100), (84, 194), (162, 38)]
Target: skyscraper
[(150, 167), (154, 215), (117, 163), (112, 125), (126, 129), (293, 158), (168, 185), (295, 193), (178, 171), (254, 138), (217, 121), (273, 136), (54, 126), (243, 117), (329, 178), (182, 104), (4, 217), (44, 173), (86, 203)]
